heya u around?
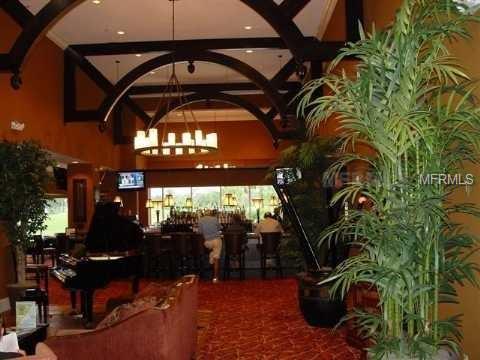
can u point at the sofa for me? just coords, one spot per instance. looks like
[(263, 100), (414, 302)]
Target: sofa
[(163, 331)]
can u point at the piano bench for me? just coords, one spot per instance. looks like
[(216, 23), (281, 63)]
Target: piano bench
[(41, 299)]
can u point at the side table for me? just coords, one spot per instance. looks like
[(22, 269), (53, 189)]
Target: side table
[(29, 338)]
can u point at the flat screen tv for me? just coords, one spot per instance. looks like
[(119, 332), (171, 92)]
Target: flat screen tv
[(287, 176), (130, 180)]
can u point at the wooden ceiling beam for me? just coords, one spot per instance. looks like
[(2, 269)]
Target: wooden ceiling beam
[(139, 47), (292, 8), (220, 87), (127, 81), (102, 82), (17, 11)]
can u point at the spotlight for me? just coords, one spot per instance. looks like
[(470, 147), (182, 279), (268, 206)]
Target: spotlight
[(191, 67)]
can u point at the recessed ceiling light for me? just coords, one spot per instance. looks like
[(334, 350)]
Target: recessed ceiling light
[(121, 32), (96, 2), (152, 72), (249, 51), (138, 55), (248, 27)]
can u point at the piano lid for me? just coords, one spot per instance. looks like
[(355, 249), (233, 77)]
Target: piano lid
[(111, 232)]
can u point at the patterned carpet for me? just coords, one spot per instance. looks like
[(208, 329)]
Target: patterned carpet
[(252, 319)]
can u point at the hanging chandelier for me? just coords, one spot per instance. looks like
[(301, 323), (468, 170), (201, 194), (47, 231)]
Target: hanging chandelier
[(190, 141)]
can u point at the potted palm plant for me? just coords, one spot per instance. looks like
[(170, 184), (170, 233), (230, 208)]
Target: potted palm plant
[(411, 105), (310, 198), (23, 180)]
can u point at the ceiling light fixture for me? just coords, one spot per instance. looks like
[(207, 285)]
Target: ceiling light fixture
[(248, 27), (121, 32), (96, 2), (138, 55), (249, 51), (148, 143)]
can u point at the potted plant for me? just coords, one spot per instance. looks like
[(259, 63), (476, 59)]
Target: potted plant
[(310, 197), (23, 180), (411, 105)]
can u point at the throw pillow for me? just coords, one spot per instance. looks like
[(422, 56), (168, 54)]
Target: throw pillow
[(125, 311)]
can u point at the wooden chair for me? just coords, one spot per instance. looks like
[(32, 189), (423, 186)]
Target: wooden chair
[(234, 243), (269, 249), (33, 291)]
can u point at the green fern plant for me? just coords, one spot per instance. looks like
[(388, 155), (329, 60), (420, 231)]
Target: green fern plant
[(412, 105)]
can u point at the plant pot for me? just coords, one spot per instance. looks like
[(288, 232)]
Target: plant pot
[(317, 307)]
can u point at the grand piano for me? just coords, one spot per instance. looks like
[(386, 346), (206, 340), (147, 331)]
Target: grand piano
[(111, 252)]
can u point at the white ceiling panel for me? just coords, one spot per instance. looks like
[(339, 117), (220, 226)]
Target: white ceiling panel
[(144, 20), (149, 20), (266, 61)]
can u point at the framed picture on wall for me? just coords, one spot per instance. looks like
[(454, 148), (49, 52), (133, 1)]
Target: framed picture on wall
[(79, 200)]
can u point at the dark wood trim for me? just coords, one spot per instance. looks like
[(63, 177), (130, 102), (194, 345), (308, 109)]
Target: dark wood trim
[(118, 137), (316, 69), (292, 8), (354, 15), (79, 201), (102, 82), (5, 63), (17, 11), (36, 28), (280, 78), (56, 9), (312, 48), (124, 84), (135, 47), (220, 87), (284, 74), (283, 25)]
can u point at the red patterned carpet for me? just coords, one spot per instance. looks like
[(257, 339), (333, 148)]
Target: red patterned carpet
[(252, 319)]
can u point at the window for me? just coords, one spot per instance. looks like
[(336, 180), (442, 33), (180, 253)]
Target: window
[(266, 193), (240, 193), (213, 197), (57, 216), (180, 195), (206, 197)]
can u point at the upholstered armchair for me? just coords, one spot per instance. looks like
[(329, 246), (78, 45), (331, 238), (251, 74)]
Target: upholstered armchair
[(165, 331)]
